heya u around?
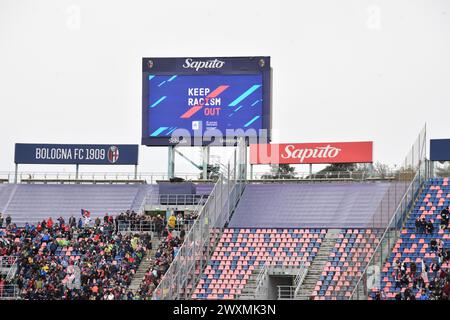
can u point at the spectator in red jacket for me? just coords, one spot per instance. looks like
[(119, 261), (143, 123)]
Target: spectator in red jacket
[(50, 223)]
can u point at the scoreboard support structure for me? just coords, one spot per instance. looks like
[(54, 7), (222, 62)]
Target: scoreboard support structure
[(205, 156), (15, 172), (171, 162), (203, 166)]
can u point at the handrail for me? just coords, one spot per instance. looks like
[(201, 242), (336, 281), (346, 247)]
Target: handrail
[(183, 274), (394, 216), (351, 175), (414, 164), (7, 261), (291, 292), (9, 291), (184, 245), (148, 177), (141, 209), (260, 282), (301, 275), (149, 226), (151, 178), (285, 292), (176, 200)]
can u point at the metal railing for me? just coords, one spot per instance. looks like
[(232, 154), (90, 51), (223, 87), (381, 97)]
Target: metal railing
[(91, 177), (7, 262), (150, 226), (371, 275), (135, 226), (186, 269), (286, 292), (298, 280), (9, 292), (141, 209), (192, 257), (152, 178), (176, 200), (261, 289), (389, 218), (329, 175), (173, 200)]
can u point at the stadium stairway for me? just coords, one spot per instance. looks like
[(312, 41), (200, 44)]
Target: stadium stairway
[(144, 266), (318, 264), (346, 262), (240, 251), (248, 292)]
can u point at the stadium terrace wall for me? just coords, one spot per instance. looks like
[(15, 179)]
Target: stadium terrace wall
[(320, 205)]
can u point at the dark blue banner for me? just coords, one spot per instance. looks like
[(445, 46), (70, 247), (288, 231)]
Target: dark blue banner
[(116, 154), (206, 65), (440, 149), (203, 97)]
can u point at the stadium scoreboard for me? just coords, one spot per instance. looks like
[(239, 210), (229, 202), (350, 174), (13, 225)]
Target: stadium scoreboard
[(190, 100)]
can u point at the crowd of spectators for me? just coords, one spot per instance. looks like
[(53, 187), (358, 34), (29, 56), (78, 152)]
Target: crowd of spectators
[(131, 221), (432, 280), (85, 259), (73, 260), (164, 256), (171, 231)]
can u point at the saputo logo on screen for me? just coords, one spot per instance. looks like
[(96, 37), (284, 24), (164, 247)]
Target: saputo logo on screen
[(190, 63)]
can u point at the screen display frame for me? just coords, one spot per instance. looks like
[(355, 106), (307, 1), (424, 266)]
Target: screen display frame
[(206, 66)]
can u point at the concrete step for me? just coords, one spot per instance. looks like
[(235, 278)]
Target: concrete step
[(248, 292), (315, 270), (144, 266)]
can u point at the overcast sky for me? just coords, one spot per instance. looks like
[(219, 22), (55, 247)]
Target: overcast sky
[(348, 70)]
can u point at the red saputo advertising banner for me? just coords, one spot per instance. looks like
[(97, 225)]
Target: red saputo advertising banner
[(306, 153)]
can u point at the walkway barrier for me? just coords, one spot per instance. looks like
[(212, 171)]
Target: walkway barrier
[(389, 219), (185, 271), (153, 178), (9, 292)]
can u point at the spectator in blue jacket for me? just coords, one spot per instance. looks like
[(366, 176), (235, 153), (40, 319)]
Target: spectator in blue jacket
[(424, 295)]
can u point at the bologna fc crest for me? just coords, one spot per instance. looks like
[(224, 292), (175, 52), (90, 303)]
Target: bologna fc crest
[(113, 154)]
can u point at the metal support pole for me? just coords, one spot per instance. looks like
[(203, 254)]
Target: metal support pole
[(205, 162), (433, 169), (310, 171), (251, 171), (171, 162), (15, 173), (228, 191), (135, 172), (244, 155), (246, 159), (235, 167), (221, 204), (77, 169)]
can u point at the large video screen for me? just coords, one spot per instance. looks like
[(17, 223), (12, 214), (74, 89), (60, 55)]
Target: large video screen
[(231, 95), (201, 103)]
